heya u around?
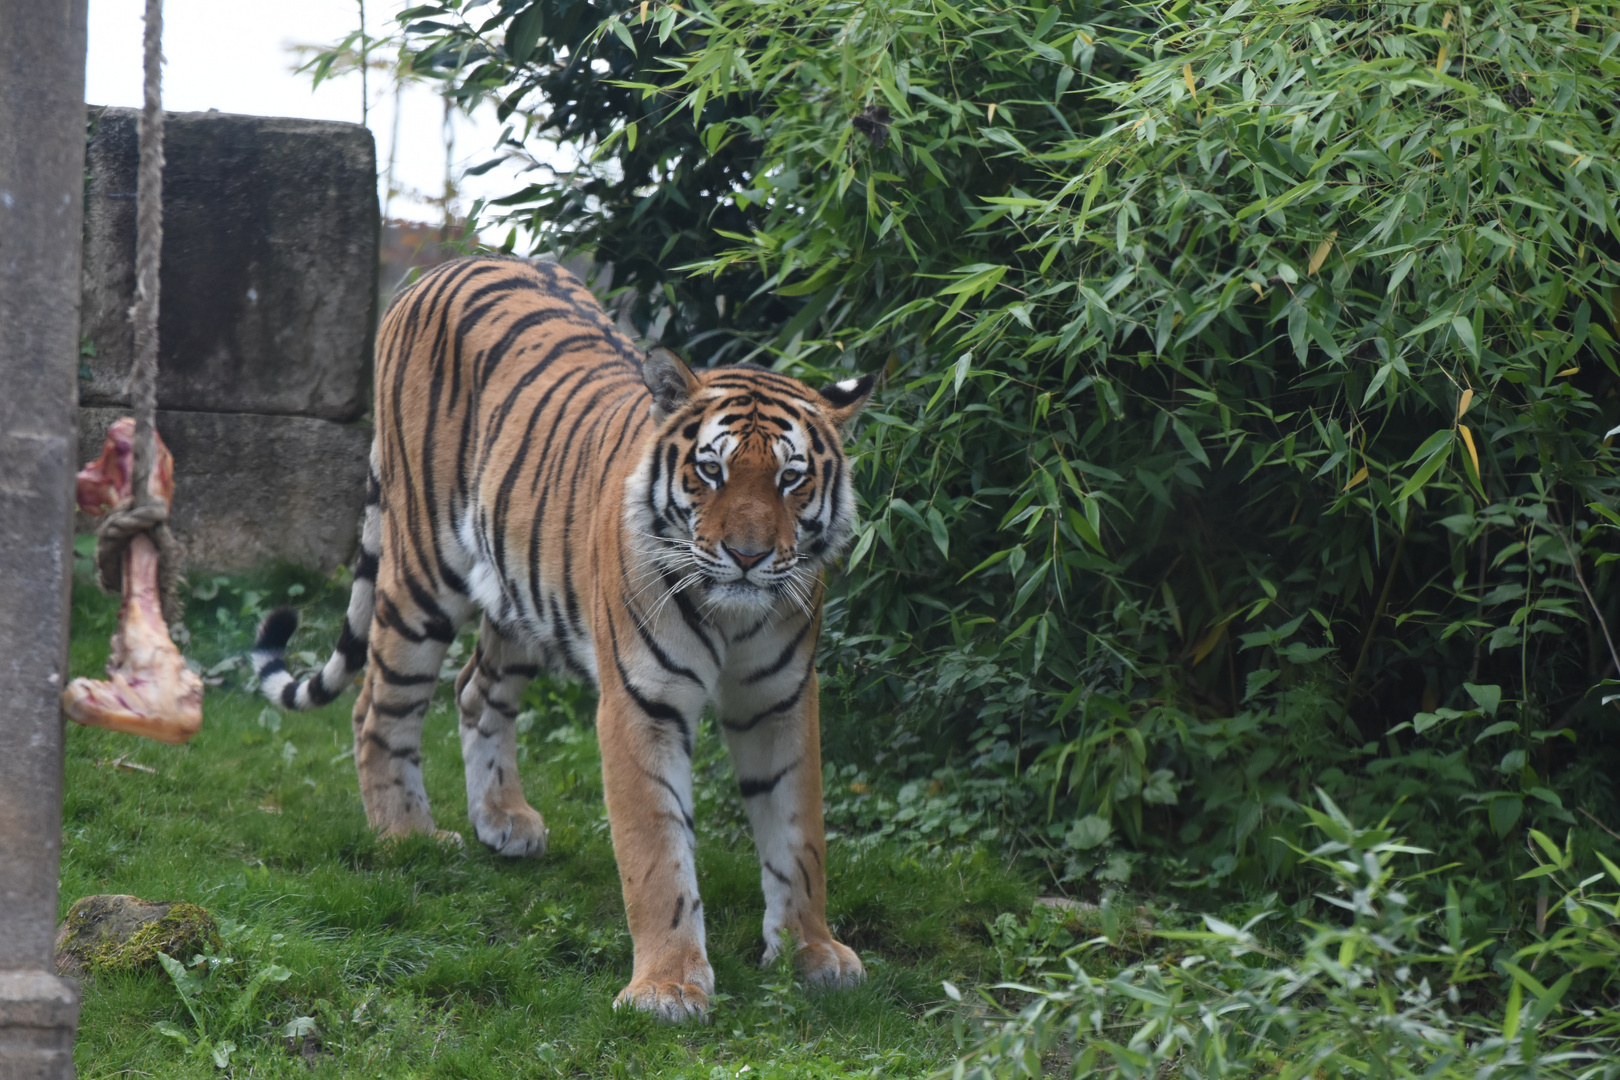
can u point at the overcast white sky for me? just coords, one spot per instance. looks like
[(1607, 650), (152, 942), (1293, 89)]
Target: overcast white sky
[(235, 56)]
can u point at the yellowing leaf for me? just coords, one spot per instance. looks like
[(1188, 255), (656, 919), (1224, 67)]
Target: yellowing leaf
[(644, 12), (1207, 643), (1440, 61), (1466, 400), (1361, 474), (1568, 371), (1192, 83), (1468, 441), (1259, 293), (991, 118), (1445, 23), (1319, 256)]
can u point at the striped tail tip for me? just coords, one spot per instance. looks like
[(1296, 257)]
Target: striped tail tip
[(269, 648), (276, 630)]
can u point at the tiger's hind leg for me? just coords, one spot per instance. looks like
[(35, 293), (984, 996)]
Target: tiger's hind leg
[(488, 692), (407, 646)]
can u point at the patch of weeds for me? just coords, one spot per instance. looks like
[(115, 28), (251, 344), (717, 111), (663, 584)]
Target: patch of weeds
[(1363, 986), (946, 809), (1031, 943), (223, 613), (573, 937), (219, 994)]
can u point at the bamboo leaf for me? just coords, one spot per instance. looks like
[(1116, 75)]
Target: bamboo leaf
[(1465, 334), (1398, 275), (622, 32), (1212, 637), (1424, 474), (1473, 454), (1319, 256), (1380, 377)]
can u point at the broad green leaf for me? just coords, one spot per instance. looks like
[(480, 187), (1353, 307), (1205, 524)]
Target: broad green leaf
[(221, 1051), (1487, 697), (1088, 832), (173, 1031), (1505, 811)]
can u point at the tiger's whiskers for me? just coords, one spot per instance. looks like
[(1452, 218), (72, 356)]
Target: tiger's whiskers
[(689, 579), (654, 570)]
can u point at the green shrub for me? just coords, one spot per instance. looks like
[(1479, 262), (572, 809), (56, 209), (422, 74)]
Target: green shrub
[(1376, 989), (1249, 373)]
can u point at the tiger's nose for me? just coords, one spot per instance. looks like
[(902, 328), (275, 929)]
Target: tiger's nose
[(747, 559)]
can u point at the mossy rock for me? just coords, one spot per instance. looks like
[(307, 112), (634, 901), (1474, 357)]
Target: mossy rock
[(114, 932)]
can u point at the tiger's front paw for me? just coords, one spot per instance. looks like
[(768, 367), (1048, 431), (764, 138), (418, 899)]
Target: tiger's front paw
[(831, 964), (671, 1002), (517, 832)]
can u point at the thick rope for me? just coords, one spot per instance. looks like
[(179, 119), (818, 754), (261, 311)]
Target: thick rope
[(121, 525), (148, 251), (143, 511)]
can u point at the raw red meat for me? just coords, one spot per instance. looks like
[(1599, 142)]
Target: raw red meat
[(149, 690)]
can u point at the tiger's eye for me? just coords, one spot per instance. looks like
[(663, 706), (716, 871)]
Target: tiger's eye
[(710, 469), (790, 477)]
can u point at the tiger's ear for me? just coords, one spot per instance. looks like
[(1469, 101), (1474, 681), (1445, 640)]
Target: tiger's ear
[(843, 400), (671, 381)]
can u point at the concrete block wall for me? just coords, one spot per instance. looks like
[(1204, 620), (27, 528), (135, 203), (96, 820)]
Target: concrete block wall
[(268, 305)]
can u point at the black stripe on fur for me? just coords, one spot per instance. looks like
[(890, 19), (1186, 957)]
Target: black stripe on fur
[(838, 397), (276, 630)]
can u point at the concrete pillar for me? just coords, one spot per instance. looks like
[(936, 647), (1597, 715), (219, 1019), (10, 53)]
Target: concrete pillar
[(41, 202)]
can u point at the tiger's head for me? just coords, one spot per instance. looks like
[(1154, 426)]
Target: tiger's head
[(745, 492)]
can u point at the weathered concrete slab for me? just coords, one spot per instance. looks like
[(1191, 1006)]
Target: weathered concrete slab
[(41, 170), (250, 488), (269, 263)]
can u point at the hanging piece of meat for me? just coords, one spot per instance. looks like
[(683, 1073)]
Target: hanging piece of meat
[(149, 690)]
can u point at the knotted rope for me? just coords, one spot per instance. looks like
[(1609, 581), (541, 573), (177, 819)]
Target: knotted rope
[(144, 512)]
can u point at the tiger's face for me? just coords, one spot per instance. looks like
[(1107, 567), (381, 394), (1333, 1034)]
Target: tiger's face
[(747, 492)]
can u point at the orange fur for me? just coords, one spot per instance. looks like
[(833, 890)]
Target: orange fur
[(616, 517)]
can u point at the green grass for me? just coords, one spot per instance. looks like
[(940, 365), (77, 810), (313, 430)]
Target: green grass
[(424, 959)]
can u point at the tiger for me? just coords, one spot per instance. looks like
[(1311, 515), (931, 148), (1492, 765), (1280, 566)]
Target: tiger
[(612, 516)]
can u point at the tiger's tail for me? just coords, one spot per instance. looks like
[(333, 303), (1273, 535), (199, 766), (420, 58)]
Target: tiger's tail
[(270, 648)]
